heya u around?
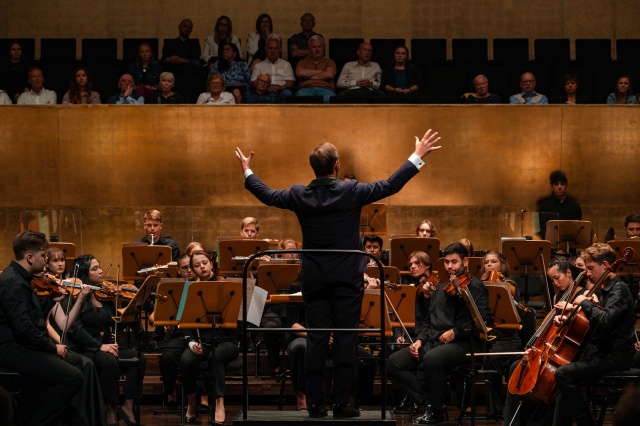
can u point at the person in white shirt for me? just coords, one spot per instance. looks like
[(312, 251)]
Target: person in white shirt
[(256, 40), (216, 94), (222, 33), (38, 95), (281, 72), (4, 98), (361, 77)]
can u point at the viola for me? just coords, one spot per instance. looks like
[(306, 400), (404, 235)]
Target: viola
[(432, 280), (47, 285)]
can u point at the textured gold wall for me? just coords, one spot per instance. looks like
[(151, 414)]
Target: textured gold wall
[(335, 18), (112, 163)]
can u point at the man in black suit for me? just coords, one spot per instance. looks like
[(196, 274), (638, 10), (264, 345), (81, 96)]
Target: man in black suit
[(328, 210)]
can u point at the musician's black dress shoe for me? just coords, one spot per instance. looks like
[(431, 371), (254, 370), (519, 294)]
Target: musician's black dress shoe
[(317, 410), (431, 417), (345, 411)]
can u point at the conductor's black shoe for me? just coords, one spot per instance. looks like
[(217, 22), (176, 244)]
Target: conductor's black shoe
[(404, 407), (345, 411), (317, 410), (431, 417)]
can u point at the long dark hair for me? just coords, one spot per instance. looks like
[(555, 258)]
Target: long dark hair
[(74, 89), (216, 35), (264, 15), (223, 64)]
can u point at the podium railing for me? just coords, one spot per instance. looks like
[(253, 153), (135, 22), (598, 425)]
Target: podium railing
[(246, 329)]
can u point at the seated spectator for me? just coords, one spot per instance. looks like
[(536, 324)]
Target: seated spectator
[(482, 94), (4, 98), (145, 71), (261, 94), (234, 70), (126, 94), (14, 71), (80, 89), (279, 70), (38, 95), (315, 72), (257, 40), (299, 43), (528, 94), (570, 95), (166, 95), (401, 77), (182, 50), (623, 93), (216, 94), (222, 33), (362, 77)]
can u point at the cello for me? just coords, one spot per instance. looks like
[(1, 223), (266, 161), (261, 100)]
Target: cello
[(553, 346)]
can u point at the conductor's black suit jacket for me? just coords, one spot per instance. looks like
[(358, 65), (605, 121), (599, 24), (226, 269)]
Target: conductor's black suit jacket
[(329, 214)]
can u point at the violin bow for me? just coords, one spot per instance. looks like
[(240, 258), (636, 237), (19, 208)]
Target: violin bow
[(404, 329), (66, 321)]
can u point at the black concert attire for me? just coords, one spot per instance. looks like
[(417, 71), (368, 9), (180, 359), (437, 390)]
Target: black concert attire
[(569, 209), (610, 348), (90, 331), (226, 350), (163, 241), (174, 99), (187, 49), (297, 345), (443, 314), (25, 347), (171, 352), (328, 210), (13, 77)]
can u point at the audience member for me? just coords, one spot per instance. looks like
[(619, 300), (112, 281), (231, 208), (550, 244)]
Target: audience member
[(126, 94), (4, 98), (234, 70), (38, 95), (528, 94), (222, 34), (256, 41), (15, 71), (362, 77), (623, 93), (316, 72), (280, 71), (482, 94), (426, 229), (216, 94), (80, 89), (261, 93), (166, 95), (559, 204), (299, 43), (145, 71), (401, 77), (182, 49), (570, 95)]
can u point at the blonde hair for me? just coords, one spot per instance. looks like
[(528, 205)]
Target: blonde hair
[(250, 221)]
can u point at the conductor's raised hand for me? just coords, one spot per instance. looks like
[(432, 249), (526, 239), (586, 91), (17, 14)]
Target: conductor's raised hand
[(245, 162), (427, 144)]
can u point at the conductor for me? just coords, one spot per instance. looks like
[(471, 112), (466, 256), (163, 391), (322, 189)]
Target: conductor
[(328, 210)]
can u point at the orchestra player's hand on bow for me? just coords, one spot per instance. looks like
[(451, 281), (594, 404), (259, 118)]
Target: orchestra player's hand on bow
[(414, 349)]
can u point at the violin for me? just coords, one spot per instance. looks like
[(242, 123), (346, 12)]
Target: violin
[(497, 277), (432, 280), (47, 285), (453, 286)]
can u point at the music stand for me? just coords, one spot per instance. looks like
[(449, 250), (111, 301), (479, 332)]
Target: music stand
[(631, 268), (277, 278), (575, 233), (391, 273), (237, 248), (525, 258), (401, 248), (69, 250), (505, 315), (168, 297), (370, 313), (474, 267), (403, 300), (373, 219), (136, 256)]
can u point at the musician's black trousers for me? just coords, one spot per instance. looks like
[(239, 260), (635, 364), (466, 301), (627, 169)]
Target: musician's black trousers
[(570, 377)]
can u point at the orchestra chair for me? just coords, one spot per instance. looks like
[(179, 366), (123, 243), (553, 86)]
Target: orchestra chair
[(612, 386), (13, 383)]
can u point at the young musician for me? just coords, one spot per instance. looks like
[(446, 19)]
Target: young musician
[(611, 345), (91, 336), (249, 228), (153, 230), (199, 349), (25, 346)]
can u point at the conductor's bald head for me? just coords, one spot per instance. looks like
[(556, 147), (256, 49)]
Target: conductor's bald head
[(324, 160)]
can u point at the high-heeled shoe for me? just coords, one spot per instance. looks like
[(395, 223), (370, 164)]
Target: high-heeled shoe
[(121, 415)]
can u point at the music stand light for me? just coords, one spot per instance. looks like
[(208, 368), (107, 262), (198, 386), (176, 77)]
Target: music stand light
[(401, 248), (136, 256), (575, 233), (373, 219)]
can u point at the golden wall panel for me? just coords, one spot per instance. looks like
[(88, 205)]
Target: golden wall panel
[(32, 18), (591, 19), (81, 19), (126, 19), (385, 19), (626, 18)]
